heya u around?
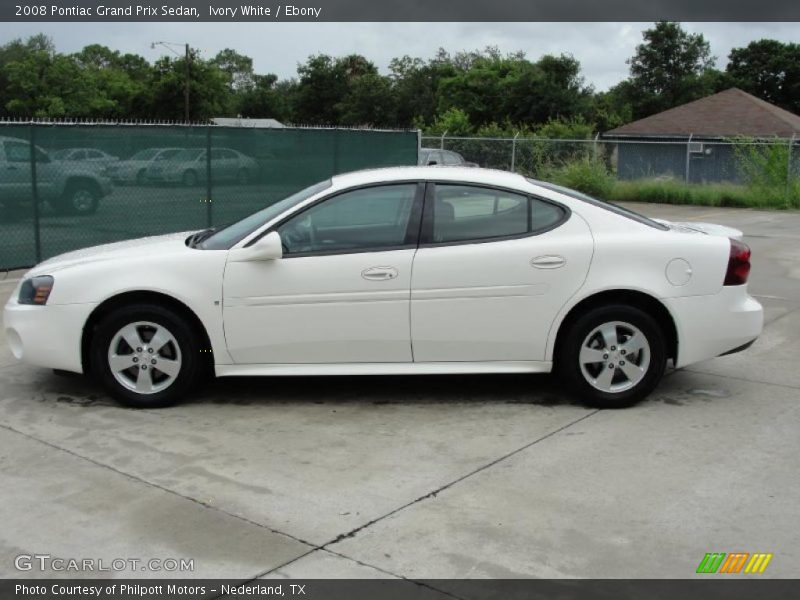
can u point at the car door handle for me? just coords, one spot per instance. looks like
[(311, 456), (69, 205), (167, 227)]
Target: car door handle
[(548, 262), (379, 273)]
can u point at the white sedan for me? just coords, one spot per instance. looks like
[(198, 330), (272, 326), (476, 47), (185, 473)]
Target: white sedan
[(397, 271)]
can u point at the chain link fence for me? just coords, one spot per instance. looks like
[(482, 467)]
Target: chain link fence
[(69, 186), (692, 160)]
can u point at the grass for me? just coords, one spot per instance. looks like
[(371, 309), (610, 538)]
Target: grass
[(593, 178)]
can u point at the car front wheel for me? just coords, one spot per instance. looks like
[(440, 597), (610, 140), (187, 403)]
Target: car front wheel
[(613, 356), (146, 356), (79, 199)]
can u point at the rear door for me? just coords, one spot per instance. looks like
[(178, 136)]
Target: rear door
[(493, 269)]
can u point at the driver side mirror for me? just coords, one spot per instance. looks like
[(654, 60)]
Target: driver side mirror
[(268, 247)]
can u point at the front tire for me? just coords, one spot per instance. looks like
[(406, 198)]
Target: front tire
[(189, 179), (613, 356), (79, 199), (146, 356)]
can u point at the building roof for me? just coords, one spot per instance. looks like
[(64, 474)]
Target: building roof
[(726, 114), (245, 122)]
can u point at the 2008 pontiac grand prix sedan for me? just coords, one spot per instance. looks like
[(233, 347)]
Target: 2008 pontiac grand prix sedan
[(397, 271)]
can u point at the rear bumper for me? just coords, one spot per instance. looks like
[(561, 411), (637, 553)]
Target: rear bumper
[(710, 326), (46, 336)]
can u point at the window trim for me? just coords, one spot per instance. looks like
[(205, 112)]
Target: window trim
[(426, 229), (412, 229)]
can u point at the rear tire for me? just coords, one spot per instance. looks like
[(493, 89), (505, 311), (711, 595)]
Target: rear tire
[(613, 356), (132, 345)]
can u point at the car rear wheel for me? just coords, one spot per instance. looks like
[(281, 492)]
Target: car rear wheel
[(613, 356), (146, 356)]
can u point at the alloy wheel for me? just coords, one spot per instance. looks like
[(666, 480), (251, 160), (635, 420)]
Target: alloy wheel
[(144, 357), (614, 357)]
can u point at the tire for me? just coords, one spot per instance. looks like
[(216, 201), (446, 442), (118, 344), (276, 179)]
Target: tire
[(141, 177), (189, 179), (621, 377), (110, 352), (243, 177), (80, 199)]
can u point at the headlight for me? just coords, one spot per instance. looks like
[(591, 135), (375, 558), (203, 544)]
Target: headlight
[(35, 290)]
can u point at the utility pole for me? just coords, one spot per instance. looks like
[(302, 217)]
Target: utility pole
[(187, 56)]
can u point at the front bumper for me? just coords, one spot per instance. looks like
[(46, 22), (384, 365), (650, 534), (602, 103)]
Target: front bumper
[(710, 326), (46, 336)]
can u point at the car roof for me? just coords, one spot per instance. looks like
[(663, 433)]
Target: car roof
[(435, 172)]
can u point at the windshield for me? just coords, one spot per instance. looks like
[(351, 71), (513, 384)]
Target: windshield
[(600, 203), (59, 154), (233, 234)]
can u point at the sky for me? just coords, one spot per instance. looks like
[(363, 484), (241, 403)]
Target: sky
[(601, 48)]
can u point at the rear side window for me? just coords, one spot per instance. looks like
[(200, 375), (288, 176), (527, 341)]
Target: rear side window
[(619, 210), (464, 213)]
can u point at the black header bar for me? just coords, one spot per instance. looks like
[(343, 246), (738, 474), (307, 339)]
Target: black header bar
[(397, 10)]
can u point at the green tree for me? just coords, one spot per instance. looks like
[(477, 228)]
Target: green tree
[(324, 85), (267, 98), (667, 69), (237, 67), (208, 89), (770, 70), (369, 101)]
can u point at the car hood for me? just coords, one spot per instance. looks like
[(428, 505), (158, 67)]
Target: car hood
[(154, 245), (698, 227)]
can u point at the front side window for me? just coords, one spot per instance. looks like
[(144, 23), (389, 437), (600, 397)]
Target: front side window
[(462, 213), (371, 218)]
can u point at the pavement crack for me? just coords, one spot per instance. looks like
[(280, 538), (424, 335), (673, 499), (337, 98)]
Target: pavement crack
[(158, 487), (437, 491)]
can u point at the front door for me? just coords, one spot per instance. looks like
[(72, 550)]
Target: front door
[(493, 269), (340, 294)]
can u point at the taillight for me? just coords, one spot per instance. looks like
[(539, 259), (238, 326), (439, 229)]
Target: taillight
[(738, 264)]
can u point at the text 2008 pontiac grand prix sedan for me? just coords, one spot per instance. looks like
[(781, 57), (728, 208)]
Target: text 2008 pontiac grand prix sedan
[(397, 271)]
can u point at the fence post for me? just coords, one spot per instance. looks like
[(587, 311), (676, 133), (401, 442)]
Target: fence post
[(688, 156), (594, 146), (441, 142), (336, 167), (789, 169), (419, 144), (514, 152), (37, 239), (209, 214)]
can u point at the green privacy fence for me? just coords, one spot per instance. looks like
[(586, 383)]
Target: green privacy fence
[(65, 186)]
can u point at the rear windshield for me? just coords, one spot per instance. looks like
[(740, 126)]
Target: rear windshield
[(624, 212)]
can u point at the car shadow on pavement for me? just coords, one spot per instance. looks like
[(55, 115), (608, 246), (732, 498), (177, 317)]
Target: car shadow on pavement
[(542, 390), (386, 389)]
